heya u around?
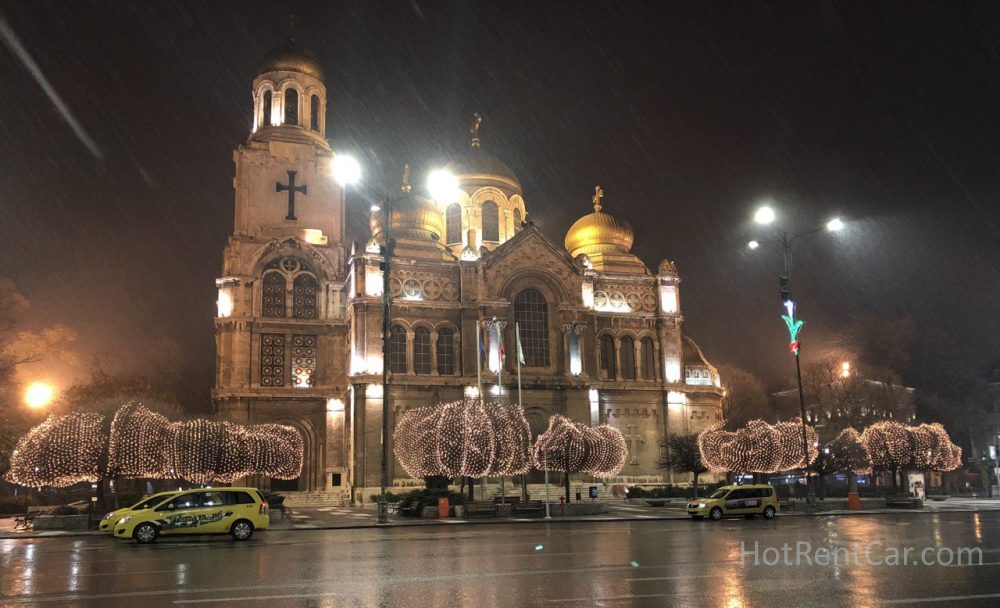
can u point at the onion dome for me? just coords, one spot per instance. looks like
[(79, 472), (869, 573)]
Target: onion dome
[(290, 56), (411, 216), (476, 167), (599, 232)]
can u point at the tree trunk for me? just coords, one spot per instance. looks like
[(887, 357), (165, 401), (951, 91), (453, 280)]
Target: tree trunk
[(852, 482), (695, 485), (524, 487), (822, 485), (566, 477), (472, 489)]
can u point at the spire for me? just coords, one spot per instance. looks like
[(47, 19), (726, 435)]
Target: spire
[(406, 178), (477, 120), (598, 195)]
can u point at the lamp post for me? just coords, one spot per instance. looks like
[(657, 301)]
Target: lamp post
[(766, 215), (443, 188)]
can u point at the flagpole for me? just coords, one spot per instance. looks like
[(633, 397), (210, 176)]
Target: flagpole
[(518, 355)]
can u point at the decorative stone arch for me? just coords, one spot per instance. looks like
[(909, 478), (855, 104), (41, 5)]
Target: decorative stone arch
[(616, 345), (307, 104), (294, 85), (292, 246), (456, 348), (258, 103), (308, 481), (407, 349), (552, 288), (307, 266), (478, 199)]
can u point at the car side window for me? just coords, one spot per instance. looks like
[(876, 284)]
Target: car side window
[(755, 493), (238, 498), (736, 495), (213, 499), (766, 492), (185, 501)]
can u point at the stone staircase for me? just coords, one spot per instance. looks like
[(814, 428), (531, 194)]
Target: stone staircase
[(316, 499)]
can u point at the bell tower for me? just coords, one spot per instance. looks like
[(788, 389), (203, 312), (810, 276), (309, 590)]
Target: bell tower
[(280, 321)]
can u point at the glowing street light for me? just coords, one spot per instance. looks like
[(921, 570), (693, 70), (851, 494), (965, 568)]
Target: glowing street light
[(753, 244), (442, 186), (845, 369), (835, 224), (764, 215), (346, 170), (39, 395)]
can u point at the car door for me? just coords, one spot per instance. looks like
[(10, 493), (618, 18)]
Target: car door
[(752, 501), (244, 505), (180, 514), (216, 513), (734, 501)]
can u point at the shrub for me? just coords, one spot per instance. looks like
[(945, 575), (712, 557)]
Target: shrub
[(63, 510), (413, 503), (14, 504)]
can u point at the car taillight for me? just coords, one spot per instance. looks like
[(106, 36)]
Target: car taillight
[(264, 507)]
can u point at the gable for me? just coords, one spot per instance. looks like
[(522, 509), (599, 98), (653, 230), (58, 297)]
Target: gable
[(530, 259)]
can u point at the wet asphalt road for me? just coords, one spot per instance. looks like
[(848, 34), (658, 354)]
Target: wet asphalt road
[(646, 563)]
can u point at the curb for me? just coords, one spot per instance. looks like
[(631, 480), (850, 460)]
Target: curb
[(554, 520)]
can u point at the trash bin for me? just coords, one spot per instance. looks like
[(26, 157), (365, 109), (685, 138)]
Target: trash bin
[(443, 507)]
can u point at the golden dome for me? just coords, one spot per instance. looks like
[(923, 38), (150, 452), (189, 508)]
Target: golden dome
[(599, 232), (411, 216), (291, 57)]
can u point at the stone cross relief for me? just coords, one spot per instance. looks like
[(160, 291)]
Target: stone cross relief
[(291, 188), (634, 439)]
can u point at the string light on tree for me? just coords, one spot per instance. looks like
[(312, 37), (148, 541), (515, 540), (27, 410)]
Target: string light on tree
[(573, 447), (466, 438), (758, 447), (61, 451)]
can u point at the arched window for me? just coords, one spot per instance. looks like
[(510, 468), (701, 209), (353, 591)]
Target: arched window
[(267, 109), (422, 350), (446, 351), (517, 220), (491, 221), (314, 113), (532, 314), (304, 290), (291, 106), (648, 359), (453, 222), (273, 296), (397, 349), (608, 364), (628, 358)]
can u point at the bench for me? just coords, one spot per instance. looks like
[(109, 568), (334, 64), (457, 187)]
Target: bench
[(509, 500), (903, 501), (532, 507), (479, 509), (27, 521)]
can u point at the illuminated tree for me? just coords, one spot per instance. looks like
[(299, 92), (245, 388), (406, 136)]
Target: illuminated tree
[(467, 438), (844, 454), (62, 451), (893, 446), (572, 447), (758, 447)]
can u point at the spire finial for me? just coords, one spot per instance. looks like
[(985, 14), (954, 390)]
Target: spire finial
[(291, 27), (406, 178), (477, 119), (598, 195)]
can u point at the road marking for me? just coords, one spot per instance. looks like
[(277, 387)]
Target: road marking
[(591, 600), (943, 598), (255, 597), (672, 578)]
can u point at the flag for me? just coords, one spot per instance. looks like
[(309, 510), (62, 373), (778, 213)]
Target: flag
[(482, 346), (517, 338), (499, 339)]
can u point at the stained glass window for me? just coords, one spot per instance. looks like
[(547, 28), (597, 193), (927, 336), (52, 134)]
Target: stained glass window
[(397, 349), (453, 219), (628, 358), (446, 352), (648, 359), (273, 294), (304, 291), (421, 350), (491, 221), (303, 361), (608, 364), (532, 314), (272, 360)]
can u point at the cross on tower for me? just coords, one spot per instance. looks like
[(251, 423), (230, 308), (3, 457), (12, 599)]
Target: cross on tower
[(633, 438), (291, 188), (598, 195)]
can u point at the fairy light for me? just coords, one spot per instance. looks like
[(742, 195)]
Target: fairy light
[(893, 445), (61, 451), (467, 438), (845, 452), (758, 447), (573, 447), (66, 449)]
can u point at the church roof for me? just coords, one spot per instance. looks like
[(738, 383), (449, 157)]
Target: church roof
[(691, 353), (291, 56), (479, 167)]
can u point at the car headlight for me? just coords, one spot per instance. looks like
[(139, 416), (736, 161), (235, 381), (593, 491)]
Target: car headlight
[(701, 505), (123, 520), (109, 515)]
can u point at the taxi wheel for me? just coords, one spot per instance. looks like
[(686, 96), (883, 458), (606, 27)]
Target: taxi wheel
[(715, 513), (145, 533), (769, 513), (241, 530)]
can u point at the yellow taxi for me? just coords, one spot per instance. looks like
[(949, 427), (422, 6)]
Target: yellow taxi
[(234, 511), (108, 521), (729, 501)]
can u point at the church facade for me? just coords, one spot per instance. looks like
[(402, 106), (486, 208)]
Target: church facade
[(299, 324)]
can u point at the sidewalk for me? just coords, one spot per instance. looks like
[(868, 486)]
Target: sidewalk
[(329, 518)]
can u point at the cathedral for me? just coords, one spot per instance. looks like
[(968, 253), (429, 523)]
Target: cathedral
[(299, 326)]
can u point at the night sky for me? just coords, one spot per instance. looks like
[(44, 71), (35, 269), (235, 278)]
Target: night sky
[(886, 114)]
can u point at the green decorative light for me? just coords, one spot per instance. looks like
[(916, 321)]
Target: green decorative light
[(794, 327)]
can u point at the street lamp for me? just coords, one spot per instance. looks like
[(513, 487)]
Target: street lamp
[(766, 215), (39, 395), (443, 187)]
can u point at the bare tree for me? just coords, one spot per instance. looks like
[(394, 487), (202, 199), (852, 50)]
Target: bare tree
[(745, 397), (681, 453)]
